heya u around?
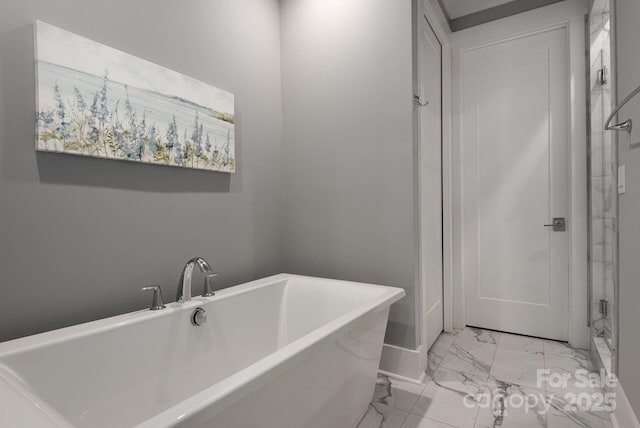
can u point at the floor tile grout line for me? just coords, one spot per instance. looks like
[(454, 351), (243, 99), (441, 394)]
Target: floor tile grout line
[(544, 359), (500, 338), (435, 420), (405, 419), (493, 360), (445, 352), (486, 386)]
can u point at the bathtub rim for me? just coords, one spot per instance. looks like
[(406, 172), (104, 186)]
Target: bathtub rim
[(103, 325), (77, 331)]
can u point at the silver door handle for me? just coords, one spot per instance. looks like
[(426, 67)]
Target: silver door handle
[(559, 224)]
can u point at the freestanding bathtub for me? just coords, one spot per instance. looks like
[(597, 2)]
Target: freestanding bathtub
[(284, 352)]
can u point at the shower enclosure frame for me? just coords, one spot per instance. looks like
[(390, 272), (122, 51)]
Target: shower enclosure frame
[(599, 7)]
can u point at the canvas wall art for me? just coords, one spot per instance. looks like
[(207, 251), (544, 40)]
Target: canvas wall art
[(93, 100)]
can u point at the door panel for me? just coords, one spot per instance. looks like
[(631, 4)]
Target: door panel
[(516, 180), (430, 89)]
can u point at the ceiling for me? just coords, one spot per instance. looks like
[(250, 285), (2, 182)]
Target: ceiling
[(464, 14), (458, 8)]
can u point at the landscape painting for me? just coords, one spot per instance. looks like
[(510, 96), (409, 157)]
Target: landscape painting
[(93, 100)]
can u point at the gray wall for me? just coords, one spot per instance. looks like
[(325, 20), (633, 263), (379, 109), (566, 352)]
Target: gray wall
[(628, 62), (80, 236), (347, 87)]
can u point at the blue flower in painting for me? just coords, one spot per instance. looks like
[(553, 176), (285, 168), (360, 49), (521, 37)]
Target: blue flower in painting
[(172, 133), (79, 100), (94, 134), (198, 143), (225, 157), (227, 147), (179, 155), (46, 117), (142, 130), (127, 103), (63, 126), (132, 151), (59, 103), (196, 136), (153, 139), (207, 146), (120, 140), (103, 111)]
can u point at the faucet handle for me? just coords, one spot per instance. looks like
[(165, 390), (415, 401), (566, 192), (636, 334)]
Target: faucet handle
[(208, 284), (157, 303)]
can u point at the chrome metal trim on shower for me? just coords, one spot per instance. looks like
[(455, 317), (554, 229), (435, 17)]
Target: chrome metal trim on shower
[(626, 125), (587, 87)]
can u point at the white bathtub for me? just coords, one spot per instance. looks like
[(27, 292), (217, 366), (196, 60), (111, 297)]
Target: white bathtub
[(284, 352)]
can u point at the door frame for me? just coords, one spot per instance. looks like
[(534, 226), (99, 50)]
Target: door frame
[(424, 9), (569, 15), (423, 143)]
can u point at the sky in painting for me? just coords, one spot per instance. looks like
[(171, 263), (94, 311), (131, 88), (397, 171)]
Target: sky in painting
[(61, 47)]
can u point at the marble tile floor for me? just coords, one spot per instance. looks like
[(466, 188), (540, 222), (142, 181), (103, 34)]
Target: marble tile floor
[(499, 372)]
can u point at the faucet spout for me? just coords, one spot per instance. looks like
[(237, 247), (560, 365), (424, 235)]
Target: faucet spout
[(184, 285)]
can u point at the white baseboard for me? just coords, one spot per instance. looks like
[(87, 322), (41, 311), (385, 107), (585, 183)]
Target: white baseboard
[(623, 416), (405, 364)]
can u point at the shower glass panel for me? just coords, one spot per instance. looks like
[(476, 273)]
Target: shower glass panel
[(602, 189)]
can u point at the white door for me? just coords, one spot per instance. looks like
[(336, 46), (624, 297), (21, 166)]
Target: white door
[(430, 115), (515, 139)]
